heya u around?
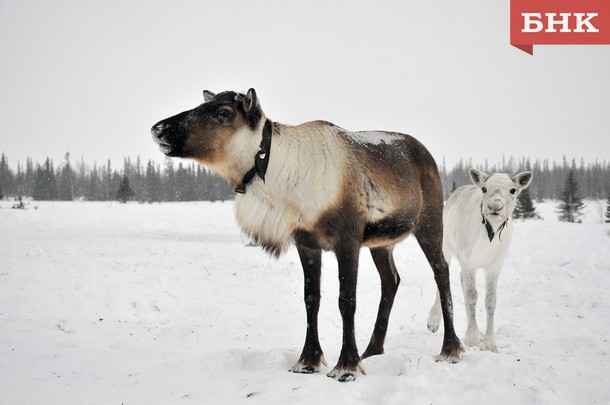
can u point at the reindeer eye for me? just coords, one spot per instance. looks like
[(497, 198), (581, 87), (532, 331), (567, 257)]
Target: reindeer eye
[(484, 189), (513, 190), (224, 113)]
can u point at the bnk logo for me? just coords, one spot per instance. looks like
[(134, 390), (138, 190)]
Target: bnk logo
[(558, 22), (532, 22)]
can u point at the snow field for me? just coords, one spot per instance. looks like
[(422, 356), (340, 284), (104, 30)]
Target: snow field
[(107, 303)]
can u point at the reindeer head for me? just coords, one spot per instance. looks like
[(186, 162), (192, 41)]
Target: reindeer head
[(500, 193), (218, 133)]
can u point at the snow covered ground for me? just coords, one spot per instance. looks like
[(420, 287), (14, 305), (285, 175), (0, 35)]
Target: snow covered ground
[(106, 303)]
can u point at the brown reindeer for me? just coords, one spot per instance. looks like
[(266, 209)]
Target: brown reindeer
[(322, 188)]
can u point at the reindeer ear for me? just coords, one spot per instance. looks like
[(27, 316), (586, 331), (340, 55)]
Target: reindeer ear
[(208, 95), (478, 177), (251, 101), (523, 180), (252, 108)]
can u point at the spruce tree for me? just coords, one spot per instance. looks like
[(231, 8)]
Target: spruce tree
[(66, 179), (608, 209), (125, 192), (152, 184), (169, 183), (570, 208), (525, 207), (30, 175), (6, 176), (93, 191), (39, 191), (45, 183)]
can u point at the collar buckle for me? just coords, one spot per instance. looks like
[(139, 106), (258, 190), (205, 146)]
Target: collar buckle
[(261, 159)]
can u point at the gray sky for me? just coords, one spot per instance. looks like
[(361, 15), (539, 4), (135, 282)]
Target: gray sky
[(91, 77)]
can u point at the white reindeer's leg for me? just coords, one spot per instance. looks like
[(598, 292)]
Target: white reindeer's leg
[(474, 336), (434, 318), (491, 283), (436, 314)]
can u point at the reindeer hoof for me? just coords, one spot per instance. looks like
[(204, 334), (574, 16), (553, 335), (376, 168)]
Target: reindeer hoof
[(489, 346), (345, 375), (451, 359), (451, 353), (433, 328), (474, 338), (308, 367), (303, 369)]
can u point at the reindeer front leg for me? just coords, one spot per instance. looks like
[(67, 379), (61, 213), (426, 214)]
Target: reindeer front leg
[(473, 337), (348, 366), (491, 286), (312, 356)]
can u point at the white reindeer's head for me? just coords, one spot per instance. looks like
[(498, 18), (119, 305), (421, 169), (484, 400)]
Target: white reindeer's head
[(500, 193)]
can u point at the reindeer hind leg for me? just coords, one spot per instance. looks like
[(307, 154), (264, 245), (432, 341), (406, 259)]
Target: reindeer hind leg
[(430, 239), (384, 261)]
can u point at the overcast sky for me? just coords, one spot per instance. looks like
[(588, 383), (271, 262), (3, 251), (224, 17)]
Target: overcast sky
[(92, 77)]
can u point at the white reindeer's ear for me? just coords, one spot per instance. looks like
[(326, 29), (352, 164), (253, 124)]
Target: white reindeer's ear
[(208, 95), (523, 180), (478, 177)]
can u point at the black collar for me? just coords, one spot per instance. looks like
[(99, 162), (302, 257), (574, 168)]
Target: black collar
[(261, 160), (489, 229)]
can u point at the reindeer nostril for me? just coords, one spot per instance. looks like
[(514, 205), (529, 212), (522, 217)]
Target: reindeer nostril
[(157, 131), (495, 209)]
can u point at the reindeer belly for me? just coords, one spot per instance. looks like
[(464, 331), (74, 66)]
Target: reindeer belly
[(387, 230), (390, 210)]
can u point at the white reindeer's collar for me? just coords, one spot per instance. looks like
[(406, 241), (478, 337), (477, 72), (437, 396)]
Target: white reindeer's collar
[(261, 159), (490, 230)]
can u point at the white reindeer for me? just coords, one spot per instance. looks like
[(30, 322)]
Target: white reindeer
[(477, 230)]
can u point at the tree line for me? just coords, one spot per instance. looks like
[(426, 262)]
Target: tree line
[(549, 180), (176, 180), (150, 182)]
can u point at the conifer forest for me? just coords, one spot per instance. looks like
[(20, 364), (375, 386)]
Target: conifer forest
[(181, 180)]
